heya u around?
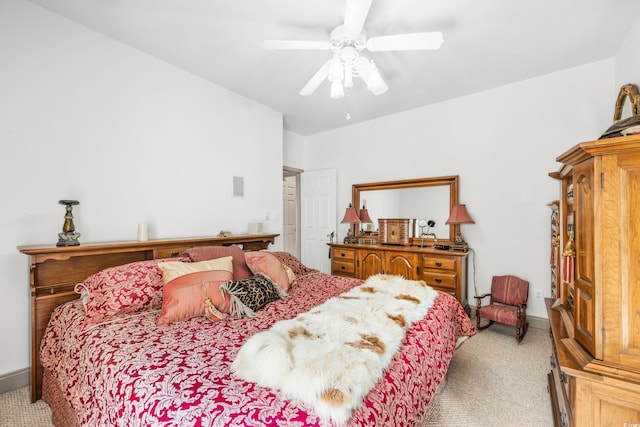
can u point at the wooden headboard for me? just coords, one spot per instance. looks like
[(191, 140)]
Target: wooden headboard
[(54, 271)]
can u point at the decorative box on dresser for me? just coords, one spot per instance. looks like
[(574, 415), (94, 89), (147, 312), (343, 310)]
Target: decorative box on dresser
[(595, 322), (445, 270), (54, 272)]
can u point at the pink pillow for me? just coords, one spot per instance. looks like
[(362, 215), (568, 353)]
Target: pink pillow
[(120, 292), (202, 253), (267, 263), (189, 287)]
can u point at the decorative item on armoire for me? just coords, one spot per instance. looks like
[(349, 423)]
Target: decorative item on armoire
[(554, 259), (459, 215), (351, 218), (568, 262), (626, 117), (68, 237)]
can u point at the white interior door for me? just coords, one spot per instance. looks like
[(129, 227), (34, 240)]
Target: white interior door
[(318, 217)]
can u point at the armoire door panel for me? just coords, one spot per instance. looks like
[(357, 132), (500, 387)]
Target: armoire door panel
[(584, 292), (621, 302)]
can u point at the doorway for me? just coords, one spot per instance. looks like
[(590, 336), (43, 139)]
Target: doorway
[(291, 210), (309, 215)]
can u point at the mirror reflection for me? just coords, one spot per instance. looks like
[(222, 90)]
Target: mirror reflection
[(427, 203), (427, 199), (627, 104), (626, 109)]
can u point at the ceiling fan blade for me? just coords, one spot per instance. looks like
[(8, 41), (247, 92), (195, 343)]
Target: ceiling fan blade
[(316, 80), (354, 16), (409, 41), (295, 45)]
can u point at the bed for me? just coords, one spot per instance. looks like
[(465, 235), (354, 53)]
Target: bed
[(126, 369)]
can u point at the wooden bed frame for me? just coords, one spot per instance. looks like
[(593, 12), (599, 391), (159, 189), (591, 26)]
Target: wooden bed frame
[(54, 271)]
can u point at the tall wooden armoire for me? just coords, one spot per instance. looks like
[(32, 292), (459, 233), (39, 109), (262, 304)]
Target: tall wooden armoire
[(595, 320)]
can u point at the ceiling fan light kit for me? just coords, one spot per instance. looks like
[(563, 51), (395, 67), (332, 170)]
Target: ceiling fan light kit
[(347, 42), (337, 91), (342, 69)]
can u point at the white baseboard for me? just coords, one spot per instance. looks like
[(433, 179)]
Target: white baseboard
[(14, 380), (534, 322)]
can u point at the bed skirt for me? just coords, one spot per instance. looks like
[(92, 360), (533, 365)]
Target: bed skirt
[(62, 414)]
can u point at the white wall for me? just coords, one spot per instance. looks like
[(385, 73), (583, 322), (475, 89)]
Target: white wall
[(294, 150), (628, 60), (132, 138), (502, 143)]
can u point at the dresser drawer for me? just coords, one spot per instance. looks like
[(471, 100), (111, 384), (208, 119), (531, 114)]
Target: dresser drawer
[(340, 254), (343, 269), (343, 262), (440, 263), (440, 280)]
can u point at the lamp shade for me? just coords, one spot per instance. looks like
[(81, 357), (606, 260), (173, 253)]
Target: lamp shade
[(459, 215), (364, 216), (350, 216)]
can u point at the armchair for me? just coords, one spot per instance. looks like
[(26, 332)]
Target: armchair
[(508, 304)]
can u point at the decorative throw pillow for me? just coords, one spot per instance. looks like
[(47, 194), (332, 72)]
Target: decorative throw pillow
[(267, 263), (252, 294), (203, 253), (189, 285), (119, 292)]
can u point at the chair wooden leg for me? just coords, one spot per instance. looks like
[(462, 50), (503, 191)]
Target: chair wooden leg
[(521, 328), (478, 327)]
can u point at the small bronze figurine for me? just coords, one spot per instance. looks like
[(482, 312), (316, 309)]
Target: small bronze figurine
[(68, 237)]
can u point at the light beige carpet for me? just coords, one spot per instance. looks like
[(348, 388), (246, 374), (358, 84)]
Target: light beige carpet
[(492, 381)]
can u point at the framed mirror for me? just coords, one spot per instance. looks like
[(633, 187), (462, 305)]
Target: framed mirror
[(428, 199)]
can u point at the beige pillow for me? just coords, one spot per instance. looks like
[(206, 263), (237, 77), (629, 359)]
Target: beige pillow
[(189, 286), (174, 269)]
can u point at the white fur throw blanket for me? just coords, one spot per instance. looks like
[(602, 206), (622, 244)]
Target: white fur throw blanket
[(331, 356)]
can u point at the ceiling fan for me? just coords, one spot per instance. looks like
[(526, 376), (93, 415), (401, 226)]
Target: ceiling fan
[(347, 42)]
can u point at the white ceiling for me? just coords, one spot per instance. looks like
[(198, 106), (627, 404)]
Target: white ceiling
[(487, 44)]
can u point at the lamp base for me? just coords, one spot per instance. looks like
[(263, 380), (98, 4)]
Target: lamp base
[(68, 239), (459, 243)]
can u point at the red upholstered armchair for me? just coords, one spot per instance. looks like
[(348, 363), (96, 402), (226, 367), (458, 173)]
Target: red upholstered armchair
[(508, 304)]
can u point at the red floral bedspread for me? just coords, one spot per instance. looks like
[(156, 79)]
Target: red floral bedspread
[(135, 373)]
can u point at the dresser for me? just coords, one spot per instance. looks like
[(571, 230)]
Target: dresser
[(54, 271), (595, 321), (444, 270)]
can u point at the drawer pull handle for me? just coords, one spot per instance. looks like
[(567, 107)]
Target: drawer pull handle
[(174, 254), (438, 264), (342, 267), (342, 254), (438, 280)]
